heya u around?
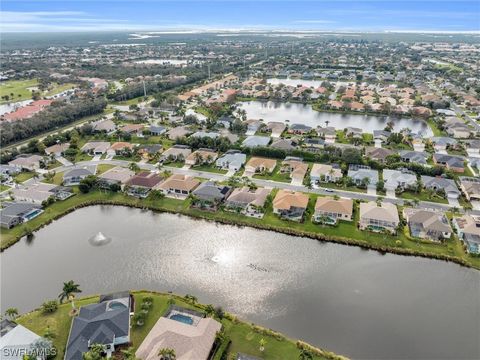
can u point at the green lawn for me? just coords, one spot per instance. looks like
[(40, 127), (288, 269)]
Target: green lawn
[(423, 196), (101, 168), (244, 337), (3, 188), (58, 88), (24, 176), (57, 179), (19, 89), (54, 165), (209, 168)]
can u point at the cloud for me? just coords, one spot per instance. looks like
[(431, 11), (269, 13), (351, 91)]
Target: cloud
[(313, 22)]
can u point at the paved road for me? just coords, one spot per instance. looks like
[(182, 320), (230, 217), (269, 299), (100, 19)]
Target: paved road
[(266, 183)]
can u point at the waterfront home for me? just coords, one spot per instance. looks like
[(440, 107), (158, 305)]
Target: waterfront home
[(37, 193), (398, 179), (295, 167), (468, 230), (252, 126), (157, 130), (57, 149), (325, 173), (470, 187), (260, 165), (189, 333), (248, 201), (353, 132), (256, 141), (225, 121), (417, 157), (74, 176), (441, 143), (96, 147), (178, 186), (140, 184), (381, 135), (426, 224), (176, 153), (201, 156), (276, 128), (14, 213), (31, 162), (105, 323), (120, 148), (378, 154), (379, 217), (363, 175), (16, 341), (328, 133), (149, 151), (441, 184), (117, 175), (283, 144), (299, 129), (451, 162), (290, 205), (330, 211), (232, 160), (133, 129), (107, 126), (313, 144), (458, 130), (208, 195), (178, 132)]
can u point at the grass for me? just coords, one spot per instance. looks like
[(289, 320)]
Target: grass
[(423, 196), (4, 188), (101, 168), (209, 168), (57, 179), (58, 88), (54, 165), (345, 232), (81, 156), (19, 88), (24, 176), (433, 125), (244, 337)]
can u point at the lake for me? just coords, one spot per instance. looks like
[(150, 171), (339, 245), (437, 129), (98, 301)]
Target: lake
[(304, 114), (351, 301)]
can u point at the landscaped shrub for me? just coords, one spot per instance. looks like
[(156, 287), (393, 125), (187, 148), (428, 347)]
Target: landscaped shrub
[(49, 307)]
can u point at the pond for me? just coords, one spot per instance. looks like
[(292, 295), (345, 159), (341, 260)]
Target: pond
[(304, 114), (351, 301)]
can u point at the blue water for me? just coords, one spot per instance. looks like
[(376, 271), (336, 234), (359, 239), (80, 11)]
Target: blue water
[(182, 318), (33, 214), (116, 305)]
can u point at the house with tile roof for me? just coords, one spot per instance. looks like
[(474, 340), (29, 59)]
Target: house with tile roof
[(329, 210), (381, 217), (248, 201), (178, 186), (426, 224), (290, 205)]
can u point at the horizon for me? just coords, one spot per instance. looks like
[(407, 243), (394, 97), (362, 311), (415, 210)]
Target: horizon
[(371, 16)]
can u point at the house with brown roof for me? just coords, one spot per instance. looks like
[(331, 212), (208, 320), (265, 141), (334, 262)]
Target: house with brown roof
[(178, 186), (468, 230), (381, 217), (57, 149), (378, 154), (260, 165), (117, 175), (290, 205), (178, 132), (119, 148), (140, 184), (330, 211), (296, 168), (133, 129), (249, 202), (176, 153), (31, 162), (201, 156), (426, 224), (470, 187)]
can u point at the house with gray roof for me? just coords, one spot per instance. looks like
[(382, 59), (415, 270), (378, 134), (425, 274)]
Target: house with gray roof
[(157, 130), (426, 224), (359, 174), (106, 323), (15, 213), (418, 157), (381, 135), (283, 144), (298, 129), (398, 179), (209, 194), (231, 160), (451, 162), (202, 134), (440, 183), (74, 176), (255, 141), (440, 143)]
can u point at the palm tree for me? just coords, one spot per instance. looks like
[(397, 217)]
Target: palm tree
[(262, 344), (209, 309), (11, 313), (68, 292), (134, 167), (167, 354), (129, 354), (191, 298)]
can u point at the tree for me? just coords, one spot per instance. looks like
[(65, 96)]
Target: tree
[(11, 313), (88, 184), (49, 306), (167, 354), (262, 344), (191, 298), (68, 292), (129, 354), (209, 310), (305, 355), (134, 167), (96, 352)]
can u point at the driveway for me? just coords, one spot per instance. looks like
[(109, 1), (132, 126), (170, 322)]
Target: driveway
[(454, 202), (64, 161), (297, 182), (378, 143), (371, 190), (97, 158), (230, 173), (391, 194)]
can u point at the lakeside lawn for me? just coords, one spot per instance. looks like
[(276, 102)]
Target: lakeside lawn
[(19, 89), (244, 337), (344, 232)]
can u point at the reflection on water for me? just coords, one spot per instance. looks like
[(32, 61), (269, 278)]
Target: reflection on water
[(352, 301), (304, 114)]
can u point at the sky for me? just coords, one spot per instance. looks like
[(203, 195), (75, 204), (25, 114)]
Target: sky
[(159, 15)]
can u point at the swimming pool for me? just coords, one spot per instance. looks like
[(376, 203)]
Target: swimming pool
[(182, 318), (116, 305)]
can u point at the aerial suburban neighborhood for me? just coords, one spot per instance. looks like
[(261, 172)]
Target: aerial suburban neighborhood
[(247, 167)]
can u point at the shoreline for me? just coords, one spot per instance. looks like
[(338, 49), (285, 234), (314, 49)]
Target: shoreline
[(213, 217)]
